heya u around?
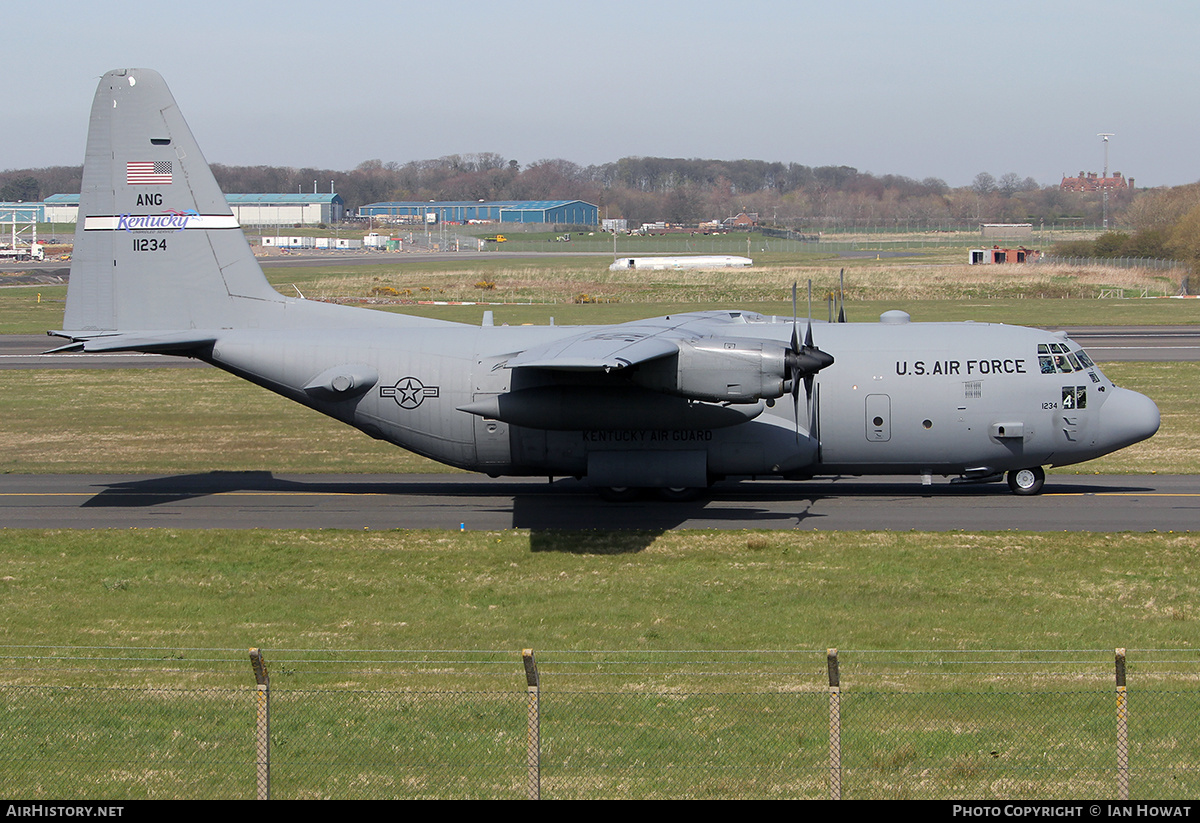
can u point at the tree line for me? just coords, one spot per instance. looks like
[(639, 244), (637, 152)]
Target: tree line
[(1158, 223), (646, 189)]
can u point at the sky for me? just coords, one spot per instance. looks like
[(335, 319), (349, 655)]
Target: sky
[(925, 88)]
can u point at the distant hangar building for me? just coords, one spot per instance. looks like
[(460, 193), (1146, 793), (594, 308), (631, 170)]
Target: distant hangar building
[(286, 209), (571, 212)]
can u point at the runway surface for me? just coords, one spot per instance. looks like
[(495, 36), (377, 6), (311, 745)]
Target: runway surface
[(250, 500), (1104, 344), (1138, 343)]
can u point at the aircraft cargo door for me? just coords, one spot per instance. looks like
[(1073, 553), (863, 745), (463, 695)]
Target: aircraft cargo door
[(879, 418)]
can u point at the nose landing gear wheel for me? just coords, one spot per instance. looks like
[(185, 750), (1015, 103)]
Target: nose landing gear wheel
[(1027, 481)]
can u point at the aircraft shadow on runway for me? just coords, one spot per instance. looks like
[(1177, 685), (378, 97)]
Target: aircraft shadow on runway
[(561, 514), (153, 491)]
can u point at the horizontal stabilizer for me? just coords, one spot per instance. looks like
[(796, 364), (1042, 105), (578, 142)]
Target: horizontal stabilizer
[(178, 342)]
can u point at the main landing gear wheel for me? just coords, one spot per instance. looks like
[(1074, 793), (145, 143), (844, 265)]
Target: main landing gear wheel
[(1027, 481)]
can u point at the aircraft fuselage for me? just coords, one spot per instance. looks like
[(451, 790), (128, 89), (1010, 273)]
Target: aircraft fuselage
[(948, 398)]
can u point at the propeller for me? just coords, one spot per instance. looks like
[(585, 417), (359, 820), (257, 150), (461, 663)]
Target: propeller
[(803, 361)]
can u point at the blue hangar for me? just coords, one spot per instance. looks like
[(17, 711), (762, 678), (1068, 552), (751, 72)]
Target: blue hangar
[(573, 212)]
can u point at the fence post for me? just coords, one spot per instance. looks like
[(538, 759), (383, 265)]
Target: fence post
[(835, 725), (1122, 730), (533, 740), (262, 731)]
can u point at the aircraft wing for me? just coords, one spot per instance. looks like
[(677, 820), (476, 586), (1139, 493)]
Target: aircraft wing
[(600, 350), (699, 356)]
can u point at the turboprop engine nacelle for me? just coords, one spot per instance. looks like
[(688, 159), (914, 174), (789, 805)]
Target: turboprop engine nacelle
[(729, 370)]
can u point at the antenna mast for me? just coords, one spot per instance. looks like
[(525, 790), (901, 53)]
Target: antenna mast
[(1104, 180)]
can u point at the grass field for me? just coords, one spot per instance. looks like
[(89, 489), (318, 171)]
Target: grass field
[(574, 280), (334, 590), (119, 678)]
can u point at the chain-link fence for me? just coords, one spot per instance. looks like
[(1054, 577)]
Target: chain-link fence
[(98, 724), (1151, 263)]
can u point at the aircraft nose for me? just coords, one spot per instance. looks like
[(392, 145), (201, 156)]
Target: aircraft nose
[(1126, 418)]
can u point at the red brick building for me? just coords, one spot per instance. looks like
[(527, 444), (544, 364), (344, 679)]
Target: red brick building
[(1090, 181)]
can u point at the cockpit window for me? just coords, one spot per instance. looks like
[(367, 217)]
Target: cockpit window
[(1058, 358)]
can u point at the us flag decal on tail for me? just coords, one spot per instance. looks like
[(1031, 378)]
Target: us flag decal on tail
[(148, 173)]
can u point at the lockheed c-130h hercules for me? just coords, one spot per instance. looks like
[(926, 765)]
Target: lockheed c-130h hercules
[(671, 403)]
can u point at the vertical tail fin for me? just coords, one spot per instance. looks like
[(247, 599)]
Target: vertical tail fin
[(156, 245)]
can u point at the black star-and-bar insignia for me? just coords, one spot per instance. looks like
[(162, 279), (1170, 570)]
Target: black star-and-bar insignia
[(409, 392)]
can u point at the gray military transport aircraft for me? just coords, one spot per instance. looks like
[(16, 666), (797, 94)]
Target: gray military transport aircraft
[(671, 403)]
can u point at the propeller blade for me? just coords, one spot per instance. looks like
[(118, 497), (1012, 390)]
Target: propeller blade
[(813, 422), (796, 402), (795, 334), (808, 334), (808, 344), (803, 361)]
